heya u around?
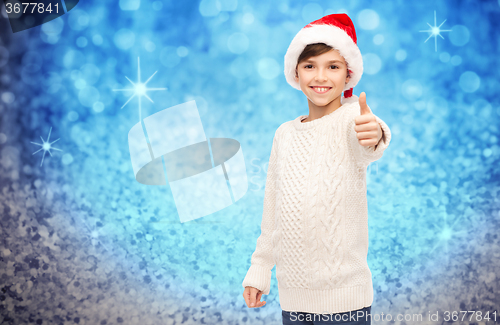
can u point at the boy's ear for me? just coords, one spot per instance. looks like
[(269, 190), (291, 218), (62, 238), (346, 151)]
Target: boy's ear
[(296, 77)]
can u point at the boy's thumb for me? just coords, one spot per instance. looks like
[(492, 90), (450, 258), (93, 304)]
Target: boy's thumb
[(364, 109)]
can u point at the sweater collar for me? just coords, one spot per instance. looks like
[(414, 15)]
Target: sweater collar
[(324, 119)]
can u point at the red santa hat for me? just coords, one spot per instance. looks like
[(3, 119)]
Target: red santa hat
[(335, 30)]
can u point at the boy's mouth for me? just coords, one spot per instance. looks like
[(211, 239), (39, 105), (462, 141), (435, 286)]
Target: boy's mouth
[(321, 90)]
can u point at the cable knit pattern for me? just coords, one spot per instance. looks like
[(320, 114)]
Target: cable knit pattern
[(315, 265), (315, 220), (334, 179), (293, 249)]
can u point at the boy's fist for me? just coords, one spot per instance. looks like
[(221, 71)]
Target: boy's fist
[(252, 297), (367, 128)]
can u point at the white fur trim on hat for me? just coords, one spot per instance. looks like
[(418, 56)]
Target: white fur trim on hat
[(332, 36)]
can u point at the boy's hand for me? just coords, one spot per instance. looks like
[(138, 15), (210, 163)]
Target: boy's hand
[(252, 297), (367, 128)]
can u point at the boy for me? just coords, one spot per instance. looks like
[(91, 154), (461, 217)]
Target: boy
[(315, 220)]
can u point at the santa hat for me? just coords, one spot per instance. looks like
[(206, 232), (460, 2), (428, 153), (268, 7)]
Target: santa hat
[(335, 30)]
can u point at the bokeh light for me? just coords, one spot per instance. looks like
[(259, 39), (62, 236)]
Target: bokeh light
[(368, 19)]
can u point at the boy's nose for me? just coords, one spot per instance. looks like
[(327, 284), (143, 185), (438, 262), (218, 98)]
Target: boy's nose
[(321, 76)]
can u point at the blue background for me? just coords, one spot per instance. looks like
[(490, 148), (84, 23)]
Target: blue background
[(83, 242)]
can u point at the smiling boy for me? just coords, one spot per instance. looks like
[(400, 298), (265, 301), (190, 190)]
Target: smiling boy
[(315, 221)]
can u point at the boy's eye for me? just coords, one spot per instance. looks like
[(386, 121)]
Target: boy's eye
[(310, 66)]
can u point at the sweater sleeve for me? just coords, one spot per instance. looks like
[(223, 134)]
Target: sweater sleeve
[(368, 154), (262, 262)]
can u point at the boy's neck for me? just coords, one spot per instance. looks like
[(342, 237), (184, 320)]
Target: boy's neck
[(316, 112)]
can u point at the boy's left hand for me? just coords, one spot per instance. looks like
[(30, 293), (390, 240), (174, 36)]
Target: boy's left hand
[(367, 128)]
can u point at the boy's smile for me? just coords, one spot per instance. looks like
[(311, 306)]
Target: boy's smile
[(322, 79), (321, 90)]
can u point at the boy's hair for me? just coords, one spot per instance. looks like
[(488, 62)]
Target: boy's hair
[(314, 49)]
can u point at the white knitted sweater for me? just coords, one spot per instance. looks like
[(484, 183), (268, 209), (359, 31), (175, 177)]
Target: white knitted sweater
[(315, 221)]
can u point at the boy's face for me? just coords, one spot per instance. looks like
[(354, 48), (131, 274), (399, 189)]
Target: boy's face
[(322, 78)]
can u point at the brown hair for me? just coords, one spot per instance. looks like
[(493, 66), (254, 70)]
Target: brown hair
[(314, 50)]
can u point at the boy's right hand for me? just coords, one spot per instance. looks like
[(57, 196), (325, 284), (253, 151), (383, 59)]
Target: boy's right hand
[(252, 297)]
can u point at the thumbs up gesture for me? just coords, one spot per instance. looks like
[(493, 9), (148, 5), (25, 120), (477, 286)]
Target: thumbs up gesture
[(367, 128)]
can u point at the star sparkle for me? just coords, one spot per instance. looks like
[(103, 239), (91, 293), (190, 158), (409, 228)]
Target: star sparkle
[(93, 236), (139, 88), (445, 234), (435, 31), (46, 146)]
